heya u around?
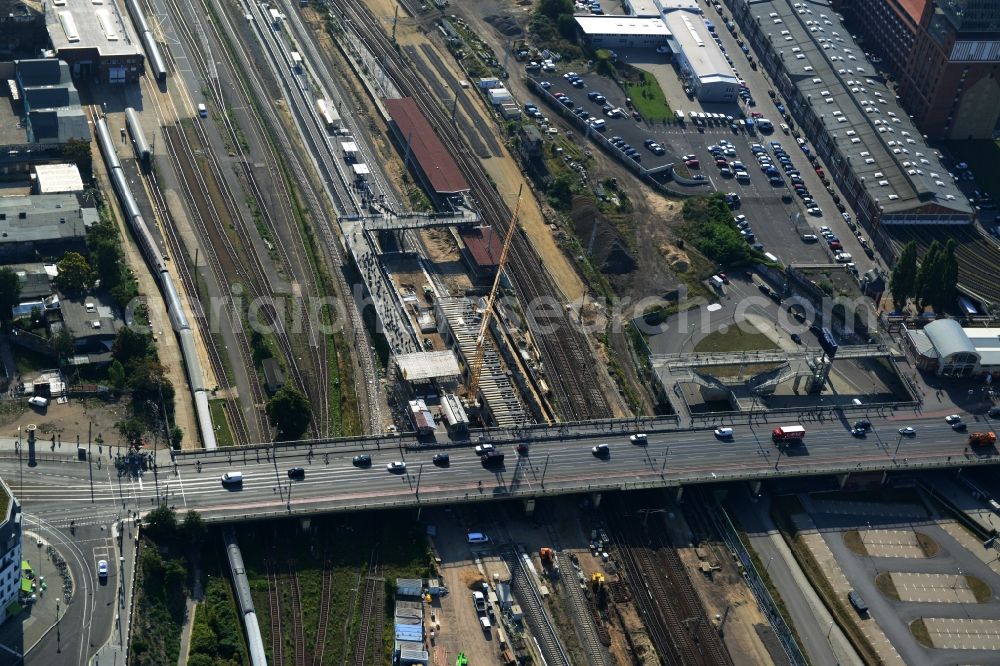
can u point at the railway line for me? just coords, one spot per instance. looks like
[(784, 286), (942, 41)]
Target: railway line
[(664, 596), (256, 278), (371, 613), (298, 632), (324, 615), (568, 360), (274, 603)]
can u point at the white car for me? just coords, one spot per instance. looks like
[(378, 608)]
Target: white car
[(102, 569), (908, 431), (484, 448), (723, 433), (952, 419), (396, 466), (38, 401), (476, 537), (638, 438), (740, 218), (813, 210)]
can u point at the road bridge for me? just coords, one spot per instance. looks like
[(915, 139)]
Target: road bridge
[(558, 461)]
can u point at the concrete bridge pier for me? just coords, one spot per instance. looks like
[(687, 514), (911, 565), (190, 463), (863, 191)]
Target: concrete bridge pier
[(842, 479), (595, 499), (529, 507), (755, 487), (678, 492)]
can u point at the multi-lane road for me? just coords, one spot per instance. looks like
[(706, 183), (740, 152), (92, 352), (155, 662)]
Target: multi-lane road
[(561, 462)]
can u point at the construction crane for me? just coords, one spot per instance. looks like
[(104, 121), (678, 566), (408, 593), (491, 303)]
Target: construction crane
[(476, 369)]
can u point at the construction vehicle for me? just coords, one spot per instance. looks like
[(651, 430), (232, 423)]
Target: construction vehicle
[(548, 558), (599, 589), (461, 660), (982, 438), (472, 388)]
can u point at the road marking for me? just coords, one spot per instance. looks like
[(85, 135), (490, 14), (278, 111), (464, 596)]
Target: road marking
[(183, 495)]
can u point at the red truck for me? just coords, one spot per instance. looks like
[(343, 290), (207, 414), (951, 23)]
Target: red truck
[(792, 434), (982, 438)]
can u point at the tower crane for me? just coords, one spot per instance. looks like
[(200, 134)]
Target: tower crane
[(476, 369)]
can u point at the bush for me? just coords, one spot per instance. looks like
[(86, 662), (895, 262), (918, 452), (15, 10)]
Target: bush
[(709, 225)]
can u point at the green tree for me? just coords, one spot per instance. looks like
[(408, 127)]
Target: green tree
[(290, 412), (131, 429), (64, 343), (561, 191), (116, 375), (75, 274), (176, 437), (131, 345), (904, 275), (193, 529), (160, 524), (555, 8), (929, 275), (78, 152), (949, 276), (10, 291)]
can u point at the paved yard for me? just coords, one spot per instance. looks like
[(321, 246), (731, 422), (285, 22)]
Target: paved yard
[(964, 634), (926, 587), (891, 543), (869, 509)]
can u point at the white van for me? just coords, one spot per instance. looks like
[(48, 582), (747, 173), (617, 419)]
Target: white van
[(476, 537), (232, 479), (843, 258), (203, 111), (600, 124), (38, 401), (679, 115)]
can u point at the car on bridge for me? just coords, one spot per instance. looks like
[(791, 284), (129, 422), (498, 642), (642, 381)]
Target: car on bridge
[(522, 448), (441, 459), (638, 438), (994, 412), (232, 479), (396, 467), (724, 433), (952, 419), (482, 449), (297, 473), (361, 461), (601, 451), (859, 432), (907, 431)]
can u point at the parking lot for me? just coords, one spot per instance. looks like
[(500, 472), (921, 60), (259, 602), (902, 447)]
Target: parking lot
[(963, 633), (891, 543), (929, 587)]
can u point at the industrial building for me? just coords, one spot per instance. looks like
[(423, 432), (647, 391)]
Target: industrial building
[(43, 225), (423, 151), (872, 149), (621, 32), (700, 59), (944, 347), (96, 39), (40, 115), (10, 550), (55, 179), (944, 56)]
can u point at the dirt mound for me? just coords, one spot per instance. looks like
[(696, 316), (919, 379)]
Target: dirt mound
[(677, 258), (505, 25), (608, 250), (473, 580)]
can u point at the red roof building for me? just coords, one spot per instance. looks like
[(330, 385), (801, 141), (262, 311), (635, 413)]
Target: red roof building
[(483, 248), (435, 165)]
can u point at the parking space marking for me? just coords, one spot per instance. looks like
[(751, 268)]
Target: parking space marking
[(963, 633), (891, 543), (930, 587)]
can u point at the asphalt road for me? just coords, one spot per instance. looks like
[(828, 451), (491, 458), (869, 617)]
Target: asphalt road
[(563, 464)]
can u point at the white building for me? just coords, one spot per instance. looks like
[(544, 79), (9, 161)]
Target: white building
[(621, 32), (10, 549), (700, 58)]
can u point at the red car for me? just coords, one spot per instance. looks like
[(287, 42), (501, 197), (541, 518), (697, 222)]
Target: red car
[(756, 114), (724, 277), (721, 163), (819, 172), (636, 116), (835, 245), (692, 164)]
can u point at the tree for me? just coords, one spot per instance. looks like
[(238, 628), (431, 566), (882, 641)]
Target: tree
[(116, 375), (131, 429), (561, 191), (904, 275), (78, 152), (75, 274), (161, 524), (10, 291), (949, 275), (193, 529), (63, 342), (290, 412), (555, 8), (131, 345), (176, 437), (928, 274)]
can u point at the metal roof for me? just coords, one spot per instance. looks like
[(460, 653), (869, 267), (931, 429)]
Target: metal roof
[(987, 344), (86, 24), (698, 46), (484, 245), (948, 338), (56, 178), (43, 217), (622, 25), (859, 113), (435, 161)]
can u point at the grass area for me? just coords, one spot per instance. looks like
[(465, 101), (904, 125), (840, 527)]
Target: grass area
[(982, 155), (980, 589), (852, 539), (919, 631), (348, 544), (928, 545), (734, 339), (647, 97), (884, 583), (29, 361), (781, 509), (159, 608), (223, 435)]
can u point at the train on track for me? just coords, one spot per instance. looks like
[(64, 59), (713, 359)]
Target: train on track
[(243, 599), (142, 150), (158, 265), (156, 61)]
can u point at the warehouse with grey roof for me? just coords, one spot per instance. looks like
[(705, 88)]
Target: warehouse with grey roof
[(874, 153)]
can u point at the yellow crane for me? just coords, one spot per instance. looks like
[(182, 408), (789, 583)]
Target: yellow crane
[(476, 369)]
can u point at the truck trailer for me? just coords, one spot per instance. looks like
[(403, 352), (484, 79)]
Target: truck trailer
[(793, 433)]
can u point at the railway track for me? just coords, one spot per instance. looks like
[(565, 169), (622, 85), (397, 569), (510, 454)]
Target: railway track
[(569, 362), (665, 596), (346, 633), (274, 603), (581, 609), (324, 615), (374, 590), (534, 610), (298, 633)]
